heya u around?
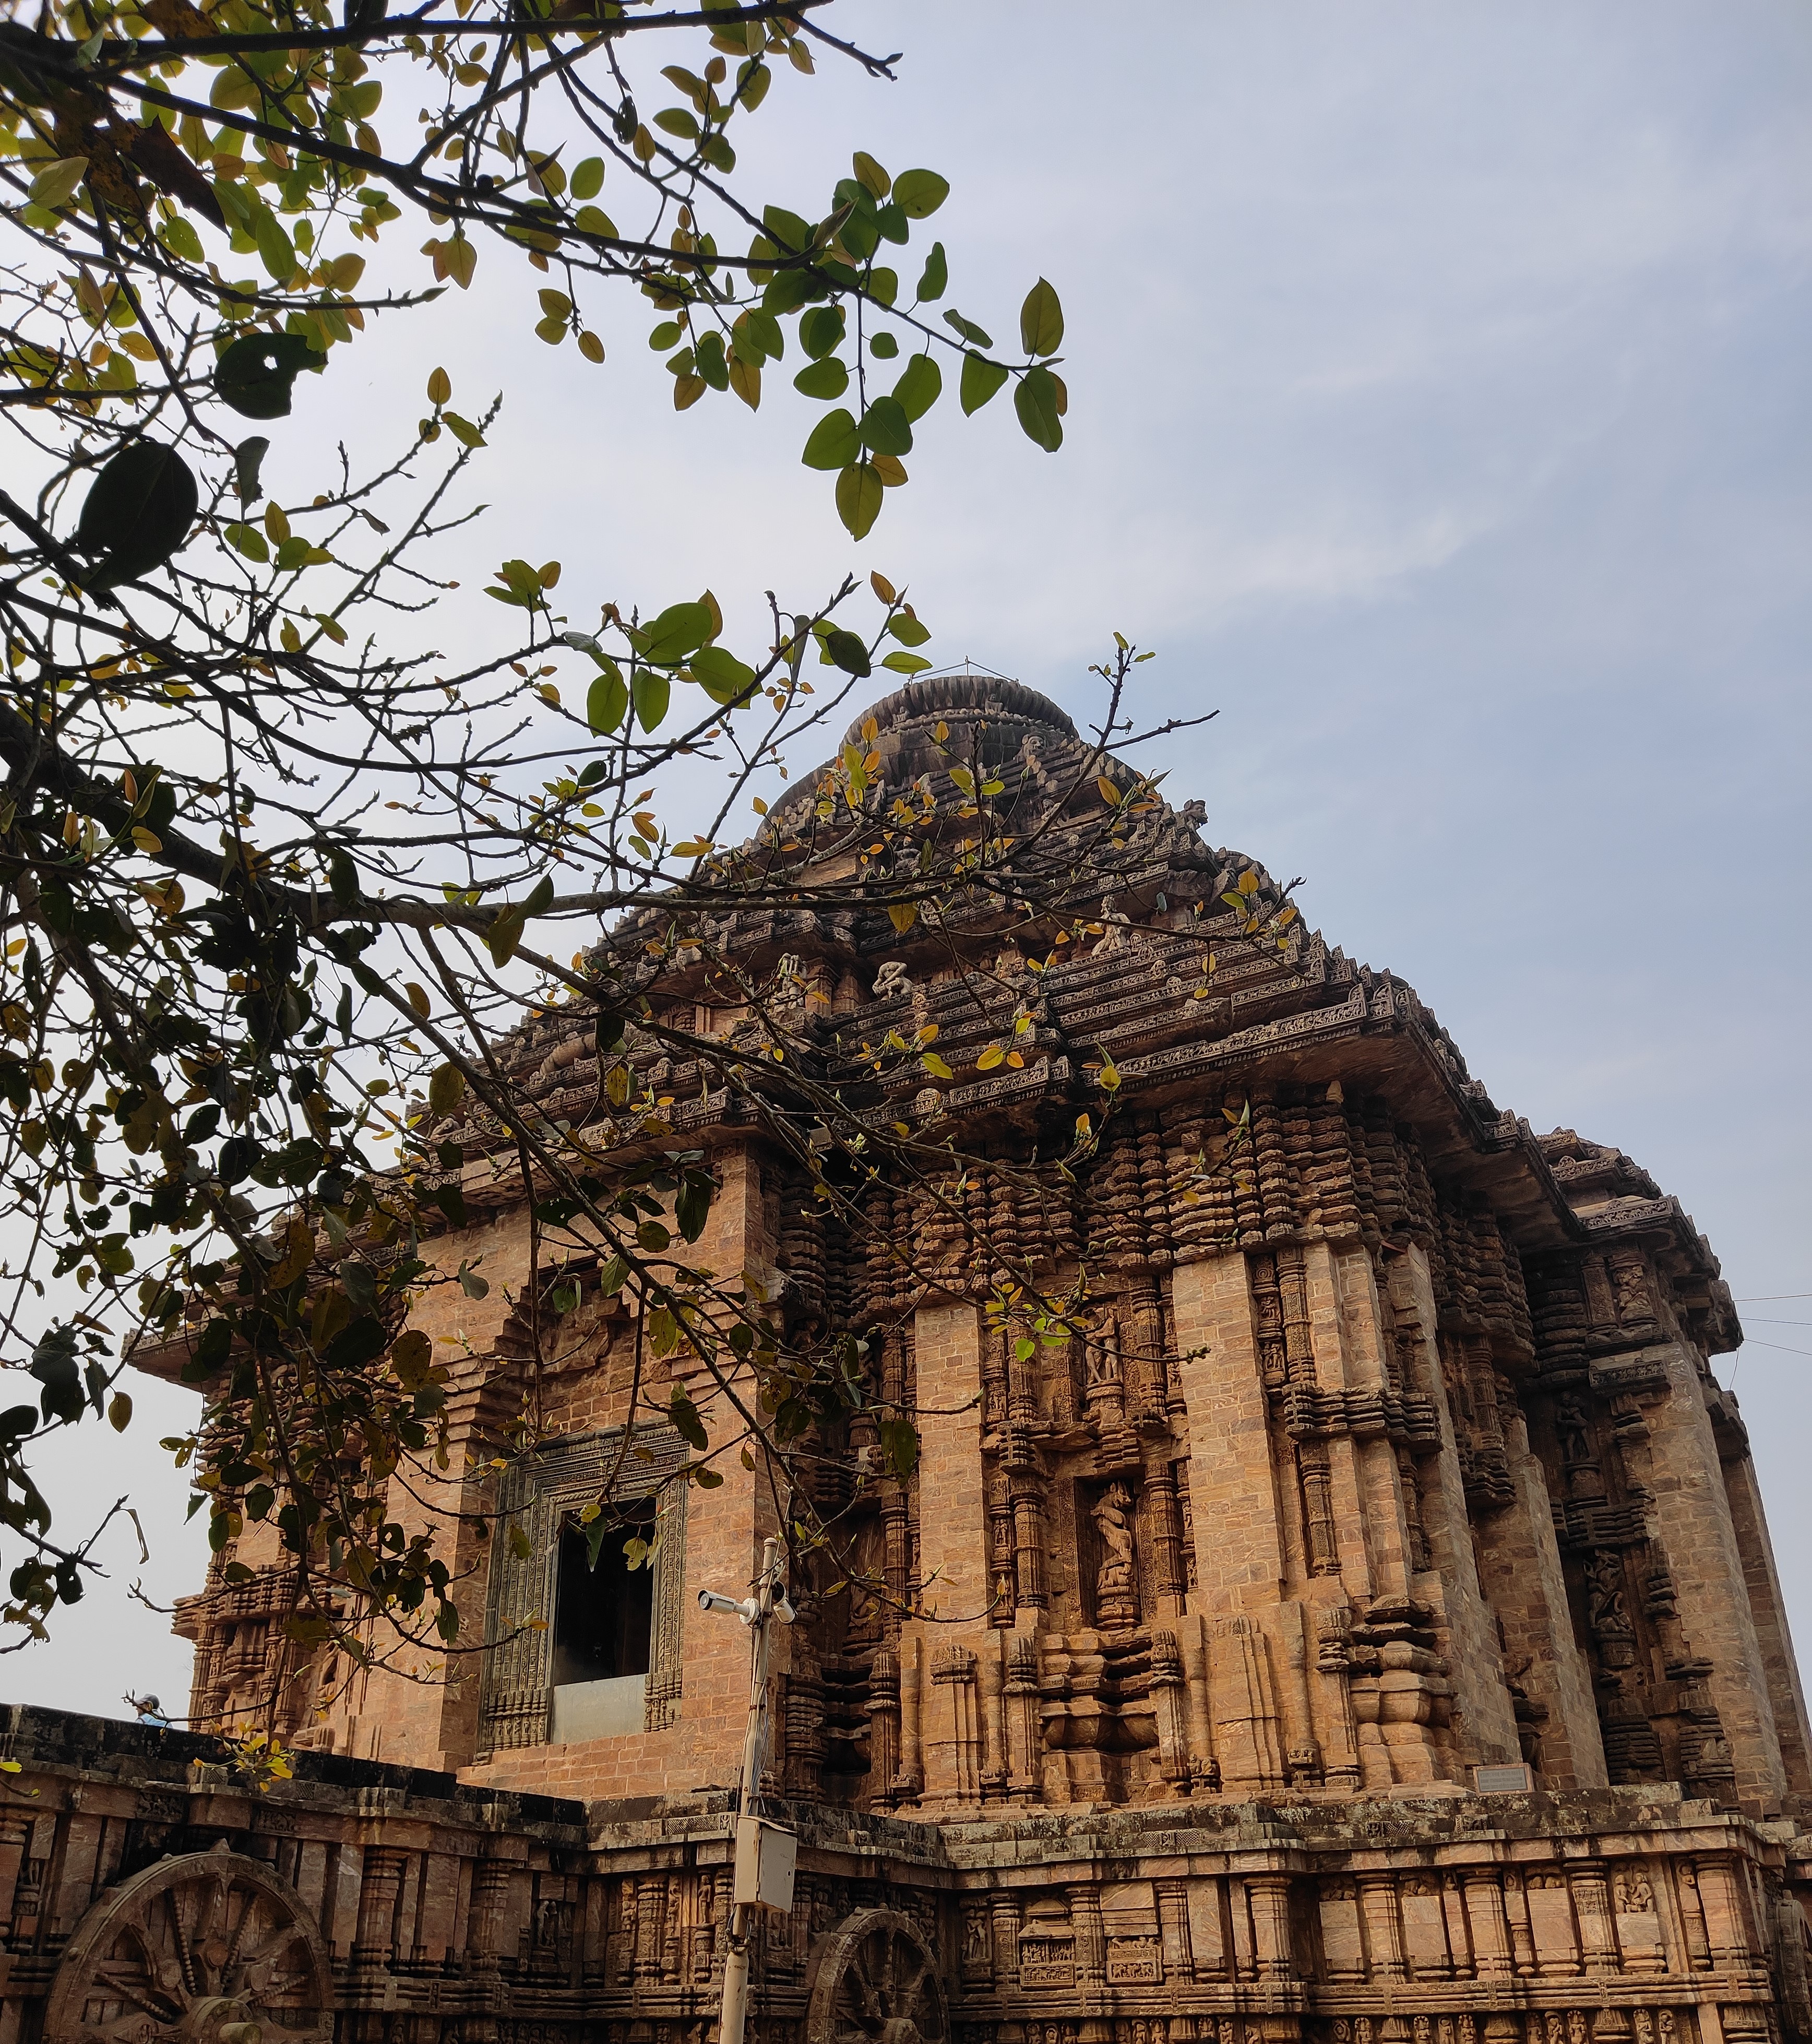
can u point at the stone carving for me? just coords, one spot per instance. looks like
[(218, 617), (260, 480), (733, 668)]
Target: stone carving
[(1609, 1618), (1116, 1589), (189, 1948), (875, 1980)]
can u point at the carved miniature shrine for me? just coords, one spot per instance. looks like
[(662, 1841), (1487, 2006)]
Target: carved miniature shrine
[(1361, 1626)]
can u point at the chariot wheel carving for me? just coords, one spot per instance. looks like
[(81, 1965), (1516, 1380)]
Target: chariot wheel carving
[(189, 1951), (875, 1980)]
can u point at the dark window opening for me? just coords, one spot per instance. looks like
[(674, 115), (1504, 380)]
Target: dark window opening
[(602, 1617)]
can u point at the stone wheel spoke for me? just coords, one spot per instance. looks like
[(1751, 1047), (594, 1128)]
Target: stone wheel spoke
[(189, 1944)]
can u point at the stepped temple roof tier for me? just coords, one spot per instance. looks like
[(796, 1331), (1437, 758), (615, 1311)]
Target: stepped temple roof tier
[(1358, 1623)]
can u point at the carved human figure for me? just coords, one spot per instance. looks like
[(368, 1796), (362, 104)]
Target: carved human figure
[(891, 980), (1573, 1425), (1609, 1618)]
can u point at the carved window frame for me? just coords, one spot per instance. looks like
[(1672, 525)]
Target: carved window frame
[(537, 1493)]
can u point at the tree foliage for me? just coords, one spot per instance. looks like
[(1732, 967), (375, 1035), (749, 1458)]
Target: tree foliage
[(273, 871)]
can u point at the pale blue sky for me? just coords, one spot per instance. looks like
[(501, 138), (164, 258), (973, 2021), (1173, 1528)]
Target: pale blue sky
[(1440, 413)]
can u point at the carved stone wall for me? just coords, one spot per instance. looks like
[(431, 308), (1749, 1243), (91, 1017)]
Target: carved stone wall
[(144, 1894), (1360, 1624)]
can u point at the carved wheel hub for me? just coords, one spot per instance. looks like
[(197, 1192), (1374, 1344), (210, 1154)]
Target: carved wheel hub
[(875, 1981), (206, 1948)]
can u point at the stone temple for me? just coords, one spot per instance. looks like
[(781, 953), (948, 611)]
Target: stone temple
[(1365, 1630)]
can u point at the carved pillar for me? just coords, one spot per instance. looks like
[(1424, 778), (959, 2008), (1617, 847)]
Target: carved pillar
[(911, 1777), (1006, 1914), (1164, 1528), (1269, 1895), (1026, 1492), (1378, 1898), (884, 1723), (1522, 1937), (1145, 1316), (1091, 1935), (1592, 1905), (953, 1772), (990, 1677), (378, 1891), (1726, 1913), (1321, 1537), (1171, 1699), (1004, 1570), (490, 1892), (15, 1835), (1025, 1730), (1419, 1557), (1490, 1931), (1204, 1767), (1173, 1931)]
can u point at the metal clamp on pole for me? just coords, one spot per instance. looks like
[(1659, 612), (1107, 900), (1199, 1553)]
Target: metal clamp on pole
[(765, 1854)]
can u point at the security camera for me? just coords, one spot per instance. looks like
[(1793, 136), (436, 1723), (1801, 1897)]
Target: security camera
[(727, 1606), (783, 1610)]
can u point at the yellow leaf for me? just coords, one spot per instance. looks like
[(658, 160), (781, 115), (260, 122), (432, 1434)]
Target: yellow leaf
[(146, 841), (1249, 881), (440, 387), (882, 587), (935, 1066), (1110, 794), (989, 1058), (903, 915), (1109, 1077), (298, 1254), (418, 998)]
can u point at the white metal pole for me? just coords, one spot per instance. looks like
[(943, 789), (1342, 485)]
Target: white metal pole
[(733, 2016)]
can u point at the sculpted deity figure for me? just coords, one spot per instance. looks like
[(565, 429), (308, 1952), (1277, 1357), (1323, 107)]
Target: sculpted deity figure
[(1116, 1596)]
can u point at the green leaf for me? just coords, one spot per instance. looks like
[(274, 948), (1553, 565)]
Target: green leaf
[(848, 652), (1035, 402), (821, 330), (859, 494), (906, 664), (606, 700), (680, 629), (920, 386), (788, 231), (825, 379), (181, 239), (255, 374), (594, 219), (935, 1066), (275, 249), (885, 429), (883, 347), (936, 276), (919, 194), (981, 379), (722, 676), (1041, 321), (908, 630), (969, 331), (248, 459), (588, 178), (652, 693), (137, 512), (684, 1415), (59, 182), (504, 936), (835, 441)]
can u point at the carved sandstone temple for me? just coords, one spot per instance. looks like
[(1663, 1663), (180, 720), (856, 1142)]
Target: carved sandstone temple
[(1365, 1632)]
